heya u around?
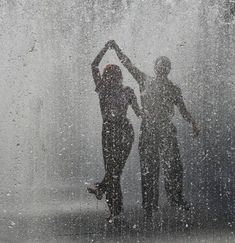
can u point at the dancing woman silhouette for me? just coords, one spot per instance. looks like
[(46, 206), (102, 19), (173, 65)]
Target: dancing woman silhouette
[(117, 132)]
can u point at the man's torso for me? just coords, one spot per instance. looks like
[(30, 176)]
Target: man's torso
[(158, 99)]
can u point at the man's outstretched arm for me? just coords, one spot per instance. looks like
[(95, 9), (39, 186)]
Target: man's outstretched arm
[(185, 113), (139, 76)]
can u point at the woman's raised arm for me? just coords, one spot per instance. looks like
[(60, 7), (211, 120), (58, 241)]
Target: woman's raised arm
[(95, 64)]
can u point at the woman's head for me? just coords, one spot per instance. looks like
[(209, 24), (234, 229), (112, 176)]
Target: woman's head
[(112, 76)]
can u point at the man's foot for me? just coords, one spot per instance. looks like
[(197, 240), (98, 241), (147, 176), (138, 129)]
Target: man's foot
[(148, 223), (155, 208), (148, 215), (182, 204), (116, 218), (96, 191), (111, 218)]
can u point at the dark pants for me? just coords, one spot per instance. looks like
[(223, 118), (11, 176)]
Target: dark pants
[(117, 140), (160, 142)]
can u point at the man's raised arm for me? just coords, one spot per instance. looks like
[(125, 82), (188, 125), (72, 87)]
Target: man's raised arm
[(139, 76)]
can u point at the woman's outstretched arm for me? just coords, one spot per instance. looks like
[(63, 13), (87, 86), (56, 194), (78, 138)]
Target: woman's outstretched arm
[(95, 64), (138, 75), (133, 102)]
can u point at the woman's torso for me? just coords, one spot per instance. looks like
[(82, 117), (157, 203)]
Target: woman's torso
[(114, 103)]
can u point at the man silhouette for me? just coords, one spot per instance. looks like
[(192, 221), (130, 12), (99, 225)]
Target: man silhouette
[(158, 135)]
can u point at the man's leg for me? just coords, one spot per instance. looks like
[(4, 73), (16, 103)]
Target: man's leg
[(149, 162), (173, 168)]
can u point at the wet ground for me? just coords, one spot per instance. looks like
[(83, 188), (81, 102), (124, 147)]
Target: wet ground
[(85, 222)]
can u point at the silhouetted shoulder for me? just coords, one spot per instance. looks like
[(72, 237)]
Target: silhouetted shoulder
[(99, 87), (174, 88), (174, 91), (146, 87)]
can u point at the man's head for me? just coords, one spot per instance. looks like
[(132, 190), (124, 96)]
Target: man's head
[(162, 66), (112, 76)]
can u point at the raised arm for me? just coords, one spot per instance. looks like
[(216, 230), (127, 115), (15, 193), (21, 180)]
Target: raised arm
[(95, 64), (139, 76), (184, 112)]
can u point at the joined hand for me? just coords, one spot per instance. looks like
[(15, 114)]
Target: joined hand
[(111, 44)]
